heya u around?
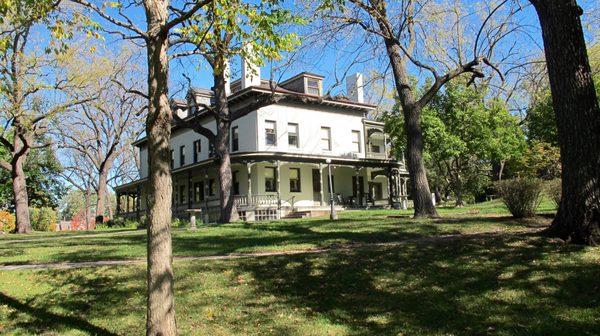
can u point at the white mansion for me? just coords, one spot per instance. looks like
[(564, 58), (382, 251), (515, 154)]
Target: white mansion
[(280, 154)]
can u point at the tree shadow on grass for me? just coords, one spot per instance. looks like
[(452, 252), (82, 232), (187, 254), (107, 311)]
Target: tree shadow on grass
[(45, 320), (513, 284)]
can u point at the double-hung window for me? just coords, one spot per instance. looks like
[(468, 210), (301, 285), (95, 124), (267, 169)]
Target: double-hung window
[(235, 183), (197, 148), (235, 139), (326, 138), (270, 133), (182, 193), (312, 87), (270, 179), (211, 187), (294, 179), (181, 156), (293, 140), (356, 141), (198, 192)]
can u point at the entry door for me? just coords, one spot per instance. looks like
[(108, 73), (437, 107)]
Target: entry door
[(361, 189), (316, 182)]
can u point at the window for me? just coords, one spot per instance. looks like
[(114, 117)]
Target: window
[(198, 192), (294, 179), (293, 135), (235, 183), (270, 177), (270, 133), (211, 150), (326, 138), (235, 139), (181, 156), (172, 159), (356, 141), (211, 187), (312, 87), (182, 194), (316, 181), (375, 148), (197, 148)]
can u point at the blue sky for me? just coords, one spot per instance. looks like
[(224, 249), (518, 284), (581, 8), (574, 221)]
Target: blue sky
[(334, 60)]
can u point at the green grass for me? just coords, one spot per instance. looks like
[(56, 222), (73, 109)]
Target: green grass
[(509, 281), (508, 284), (352, 227)]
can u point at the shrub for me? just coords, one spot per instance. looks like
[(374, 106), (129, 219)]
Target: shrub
[(180, 223), (43, 219), (120, 222), (554, 190), (7, 222), (520, 195)]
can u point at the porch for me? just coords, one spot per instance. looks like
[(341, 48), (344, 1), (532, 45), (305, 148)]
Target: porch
[(274, 189)]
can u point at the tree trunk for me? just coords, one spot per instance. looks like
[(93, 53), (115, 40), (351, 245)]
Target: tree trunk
[(438, 194), (578, 121), (101, 196), (87, 203), (421, 193), (20, 196), (160, 315), (228, 209)]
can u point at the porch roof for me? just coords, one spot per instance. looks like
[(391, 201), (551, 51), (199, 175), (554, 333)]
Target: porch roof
[(251, 157)]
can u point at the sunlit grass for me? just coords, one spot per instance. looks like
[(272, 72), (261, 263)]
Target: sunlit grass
[(364, 226), (509, 284)]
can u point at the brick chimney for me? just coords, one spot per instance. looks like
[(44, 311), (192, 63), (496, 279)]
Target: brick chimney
[(250, 71), (355, 87)]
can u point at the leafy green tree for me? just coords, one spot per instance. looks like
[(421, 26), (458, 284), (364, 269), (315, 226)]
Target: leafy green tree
[(30, 79), (44, 186), (464, 133)]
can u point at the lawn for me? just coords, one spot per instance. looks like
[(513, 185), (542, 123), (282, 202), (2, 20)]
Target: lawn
[(352, 227), (508, 281)]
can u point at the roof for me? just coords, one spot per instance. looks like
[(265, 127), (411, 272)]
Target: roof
[(302, 74), (265, 88), (202, 91)]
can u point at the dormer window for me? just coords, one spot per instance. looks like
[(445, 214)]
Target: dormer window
[(313, 86)]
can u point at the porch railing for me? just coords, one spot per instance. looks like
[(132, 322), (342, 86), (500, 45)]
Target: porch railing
[(264, 200)]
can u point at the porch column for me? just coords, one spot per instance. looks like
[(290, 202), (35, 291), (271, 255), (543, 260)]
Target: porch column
[(137, 202), (127, 204), (278, 186), (321, 184), (205, 186), (390, 187), (249, 169), (118, 203), (405, 192), (190, 189), (357, 186), (385, 149)]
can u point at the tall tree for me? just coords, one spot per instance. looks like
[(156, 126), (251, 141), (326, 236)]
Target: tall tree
[(577, 117), (464, 132), (42, 171), (101, 131), (161, 19), (397, 30), (27, 76), (228, 29)]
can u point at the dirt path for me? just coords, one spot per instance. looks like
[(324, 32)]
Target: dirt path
[(345, 247)]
